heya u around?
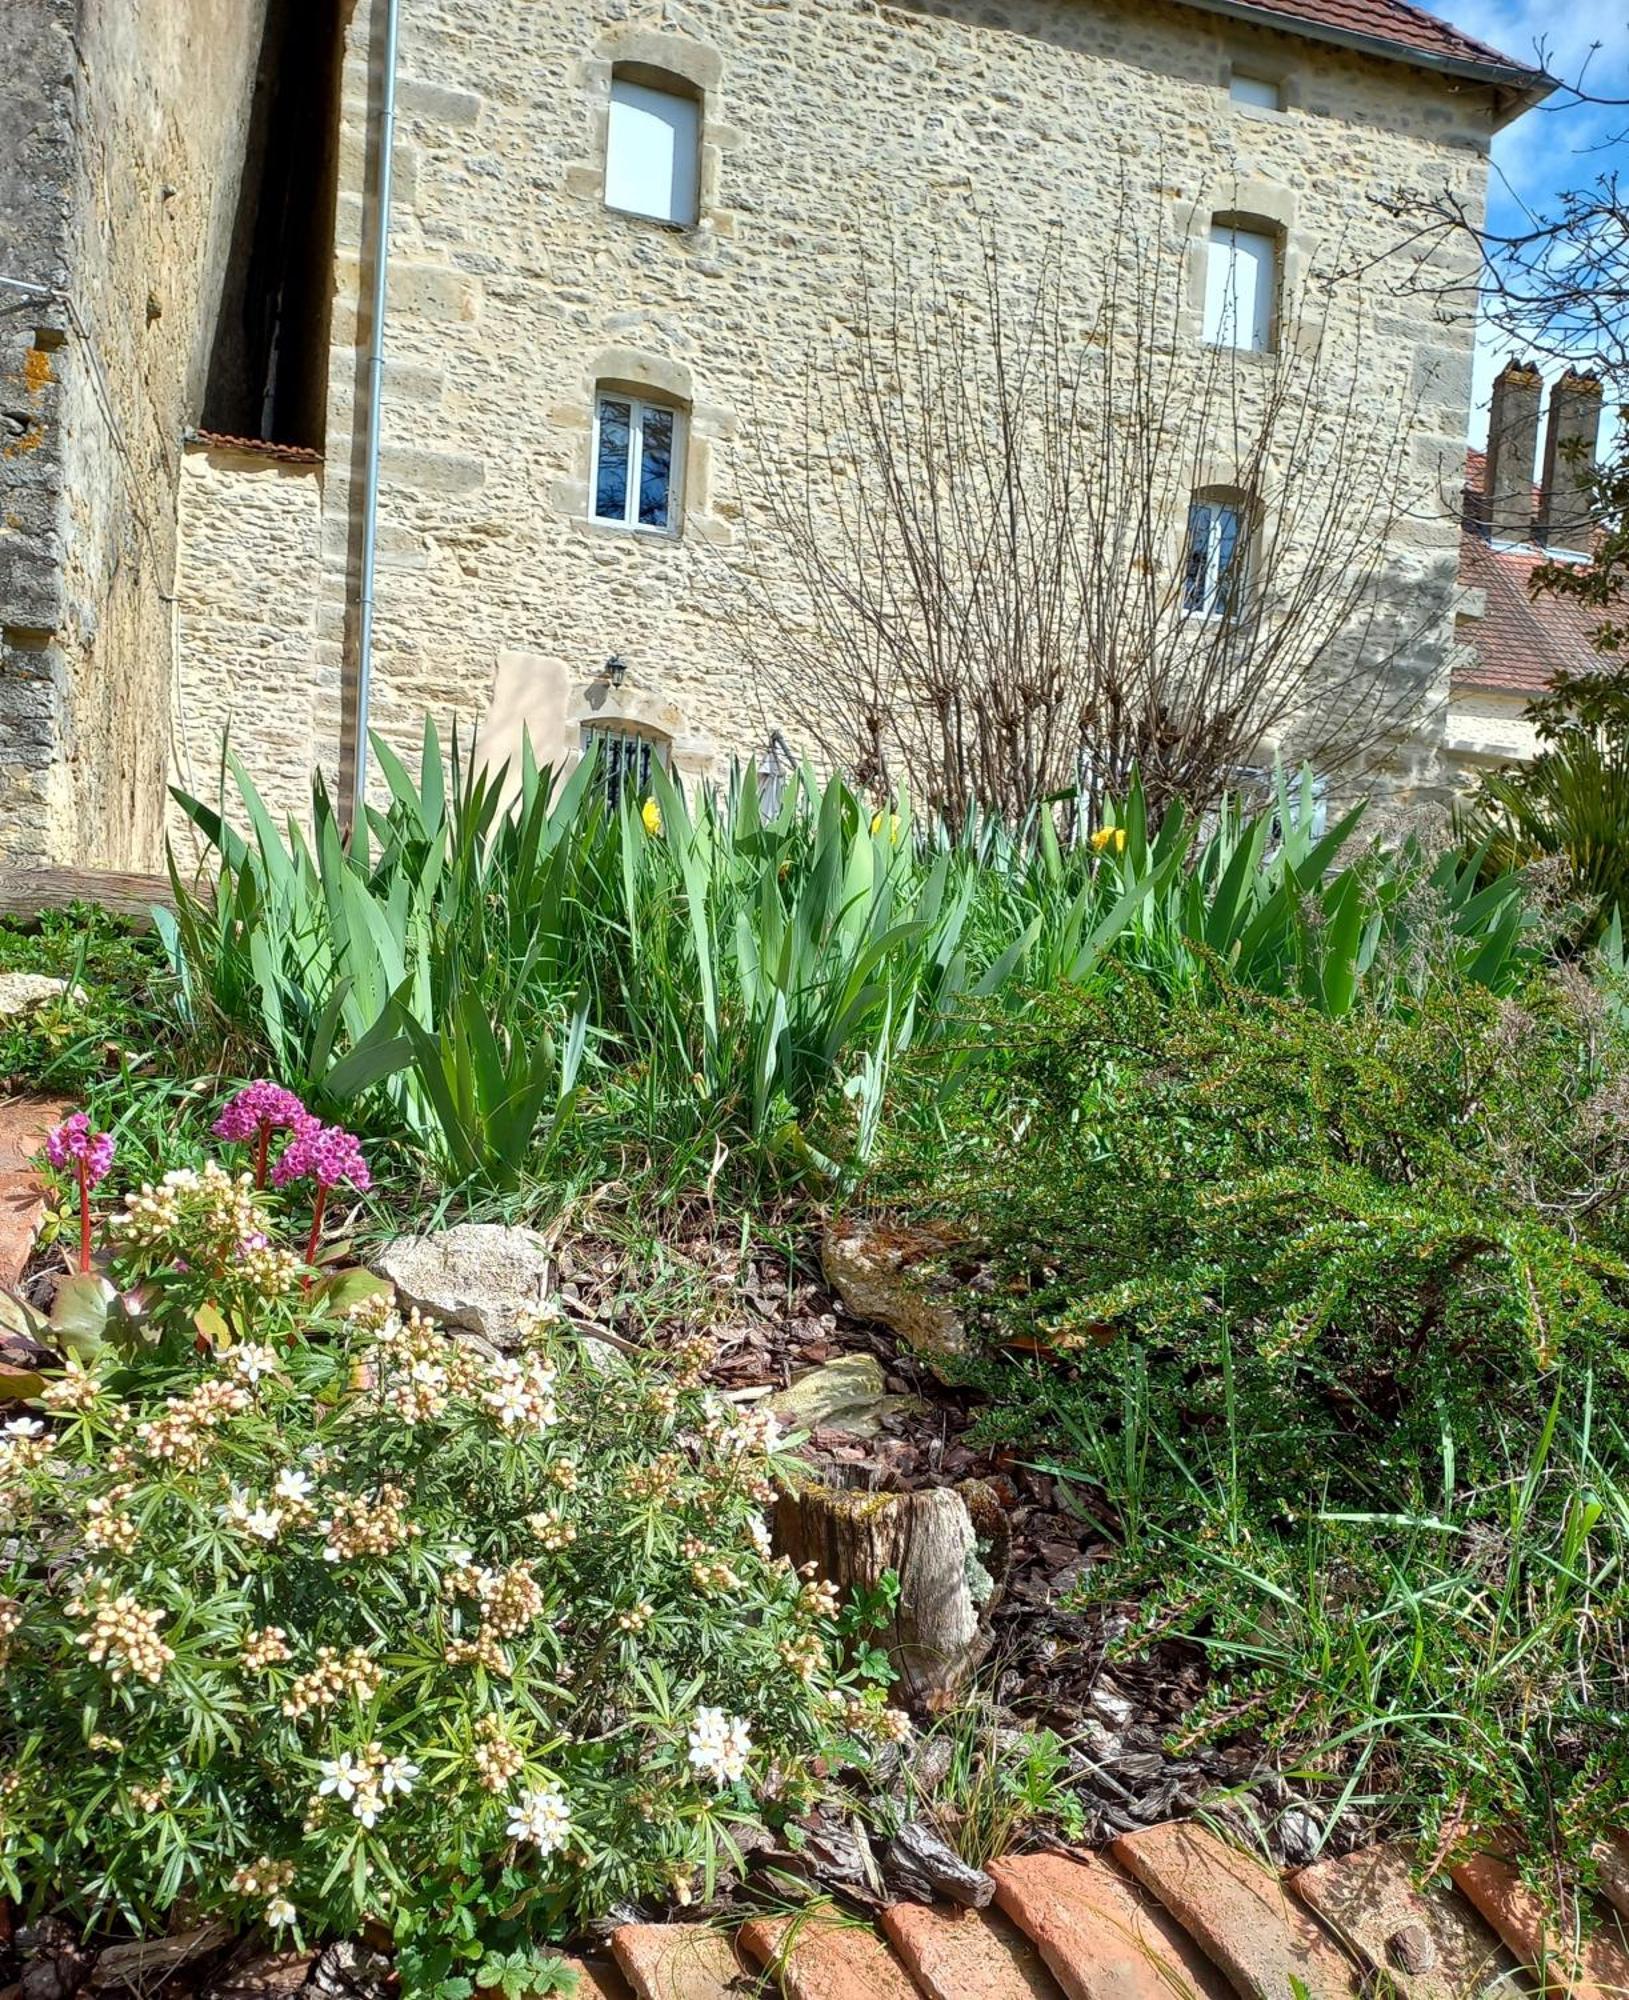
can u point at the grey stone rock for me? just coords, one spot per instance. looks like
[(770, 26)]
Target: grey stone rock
[(481, 1277), (849, 1394), (885, 1273), (922, 1865)]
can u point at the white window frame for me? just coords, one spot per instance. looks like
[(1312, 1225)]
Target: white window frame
[(1213, 604), (1261, 93), (635, 97), (1232, 245), (637, 408)]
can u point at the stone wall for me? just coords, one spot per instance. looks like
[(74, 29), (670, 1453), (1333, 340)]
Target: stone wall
[(832, 128), (121, 140), (1485, 728), (250, 536)]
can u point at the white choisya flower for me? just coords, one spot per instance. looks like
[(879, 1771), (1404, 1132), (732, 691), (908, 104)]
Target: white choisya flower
[(251, 1361), (397, 1774), (280, 1912), (252, 1517), (542, 1817), (23, 1427), (345, 1776), (520, 1394), (719, 1745), (293, 1486), (368, 1804)]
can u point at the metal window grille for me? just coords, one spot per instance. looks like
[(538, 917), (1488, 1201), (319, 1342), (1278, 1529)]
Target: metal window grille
[(625, 759)]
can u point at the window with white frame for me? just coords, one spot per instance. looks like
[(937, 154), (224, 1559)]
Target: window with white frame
[(1260, 91), (1214, 565), (638, 447), (1241, 286), (623, 761), (653, 150)]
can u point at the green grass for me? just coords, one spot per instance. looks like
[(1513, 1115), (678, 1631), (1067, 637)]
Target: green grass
[(562, 995), (117, 1019)]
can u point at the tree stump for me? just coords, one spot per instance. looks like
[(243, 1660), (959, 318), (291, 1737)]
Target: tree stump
[(947, 1545)]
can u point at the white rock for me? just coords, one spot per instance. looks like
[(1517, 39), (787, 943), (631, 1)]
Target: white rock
[(21, 990), (482, 1276)]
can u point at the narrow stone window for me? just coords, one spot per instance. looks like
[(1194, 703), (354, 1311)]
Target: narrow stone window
[(1241, 285), (638, 453), (268, 363), (653, 147), (1216, 564), (1260, 91), (625, 757)]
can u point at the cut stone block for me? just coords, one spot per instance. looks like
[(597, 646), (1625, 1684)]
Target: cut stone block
[(1595, 1967), (676, 1961), (819, 1957), (1239, 1913), (1429, 1942), (1101, 1936), (967, 1954)]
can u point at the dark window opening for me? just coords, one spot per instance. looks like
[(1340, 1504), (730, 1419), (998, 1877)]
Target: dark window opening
[(268, 368), (624, 761)]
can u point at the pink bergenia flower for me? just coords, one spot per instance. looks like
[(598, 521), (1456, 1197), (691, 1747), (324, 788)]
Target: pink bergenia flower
[(258, 1104), (257, 1111), (72, 1147), (326, 1154)]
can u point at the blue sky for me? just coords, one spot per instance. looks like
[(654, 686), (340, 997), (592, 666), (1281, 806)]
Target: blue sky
[(1547, 150)]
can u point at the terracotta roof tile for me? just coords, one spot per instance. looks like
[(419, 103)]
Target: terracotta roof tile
[(1520, 643), (1408, 29), (292, 454)]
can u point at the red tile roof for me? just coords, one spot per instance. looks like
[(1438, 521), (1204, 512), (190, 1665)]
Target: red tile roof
[(292, 454), (1520, 643), (1395, 26)]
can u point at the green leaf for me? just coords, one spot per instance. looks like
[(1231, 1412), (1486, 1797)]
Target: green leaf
[(80, 1312)]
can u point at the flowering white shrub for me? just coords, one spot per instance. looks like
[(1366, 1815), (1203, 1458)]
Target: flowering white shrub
[(317, 1616)]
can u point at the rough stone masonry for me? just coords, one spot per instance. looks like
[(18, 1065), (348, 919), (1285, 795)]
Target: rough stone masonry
[(157, 592)]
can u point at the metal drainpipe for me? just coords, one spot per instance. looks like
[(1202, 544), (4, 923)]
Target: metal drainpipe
[(376, 380)]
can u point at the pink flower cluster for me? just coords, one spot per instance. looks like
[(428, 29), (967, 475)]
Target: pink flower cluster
[(326, 1154), (260, 1107), (72, 1147)]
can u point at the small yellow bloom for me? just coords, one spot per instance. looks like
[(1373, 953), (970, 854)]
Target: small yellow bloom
[(1107, 837), (895, 826), (651, 814)]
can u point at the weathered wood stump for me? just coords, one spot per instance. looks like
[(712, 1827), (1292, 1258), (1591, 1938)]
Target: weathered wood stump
[(947, 1545)]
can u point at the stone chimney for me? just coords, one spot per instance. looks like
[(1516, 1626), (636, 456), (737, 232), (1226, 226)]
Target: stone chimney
[(1569, 460), (1513, 427)]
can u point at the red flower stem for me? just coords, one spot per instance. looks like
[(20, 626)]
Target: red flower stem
[(316, 1224), (84, 1222), (260, 1156)]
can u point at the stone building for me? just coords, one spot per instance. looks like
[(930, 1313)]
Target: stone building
[(618, 233)]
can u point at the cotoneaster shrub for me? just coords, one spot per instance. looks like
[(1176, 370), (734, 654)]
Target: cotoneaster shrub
[(313, 1615)]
